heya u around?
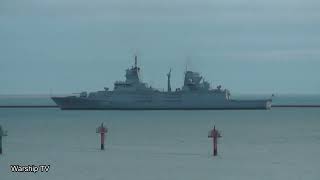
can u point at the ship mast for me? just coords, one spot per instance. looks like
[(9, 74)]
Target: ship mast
[(169, 84), (133, 74), (135, 61)]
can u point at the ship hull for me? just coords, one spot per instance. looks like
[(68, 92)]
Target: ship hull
[(78, 103)]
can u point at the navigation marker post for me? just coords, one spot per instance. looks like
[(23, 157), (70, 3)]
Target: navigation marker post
[(102, 130), (214, 134), (2, 133)]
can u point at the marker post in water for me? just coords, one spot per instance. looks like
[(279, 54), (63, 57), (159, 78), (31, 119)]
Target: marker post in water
[(102, 130), (2, 133), (214, 134)]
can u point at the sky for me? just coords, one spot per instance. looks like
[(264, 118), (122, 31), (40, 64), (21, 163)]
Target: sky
[(247, 46)]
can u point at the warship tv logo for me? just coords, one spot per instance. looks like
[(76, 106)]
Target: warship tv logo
[(30, 168)]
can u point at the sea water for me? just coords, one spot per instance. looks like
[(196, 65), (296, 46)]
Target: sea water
[(281, 143)]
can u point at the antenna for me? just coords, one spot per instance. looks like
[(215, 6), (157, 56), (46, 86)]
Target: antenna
[(169, 74), (135, 60), (188, 62)]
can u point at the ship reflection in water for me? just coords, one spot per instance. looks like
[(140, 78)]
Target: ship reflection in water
[(133, 94)]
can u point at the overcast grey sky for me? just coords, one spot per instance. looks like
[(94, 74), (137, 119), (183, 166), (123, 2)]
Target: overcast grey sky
[(247, 46)]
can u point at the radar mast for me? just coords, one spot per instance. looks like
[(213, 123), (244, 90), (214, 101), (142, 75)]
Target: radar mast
[(169, 84), (135, 61)]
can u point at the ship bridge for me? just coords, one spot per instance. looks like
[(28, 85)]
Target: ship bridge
[(193, 81), (133, 81)]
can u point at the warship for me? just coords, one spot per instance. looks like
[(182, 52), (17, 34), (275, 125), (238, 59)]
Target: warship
[(133, 94)]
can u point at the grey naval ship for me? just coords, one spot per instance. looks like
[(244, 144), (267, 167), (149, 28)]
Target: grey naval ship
[(133, 94)]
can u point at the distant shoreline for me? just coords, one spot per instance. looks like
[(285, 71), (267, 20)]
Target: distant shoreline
[(29, 106), (299, 105), (54, 106)]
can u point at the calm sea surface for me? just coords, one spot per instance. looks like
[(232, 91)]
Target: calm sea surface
[(277, 100), (282, 143)]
